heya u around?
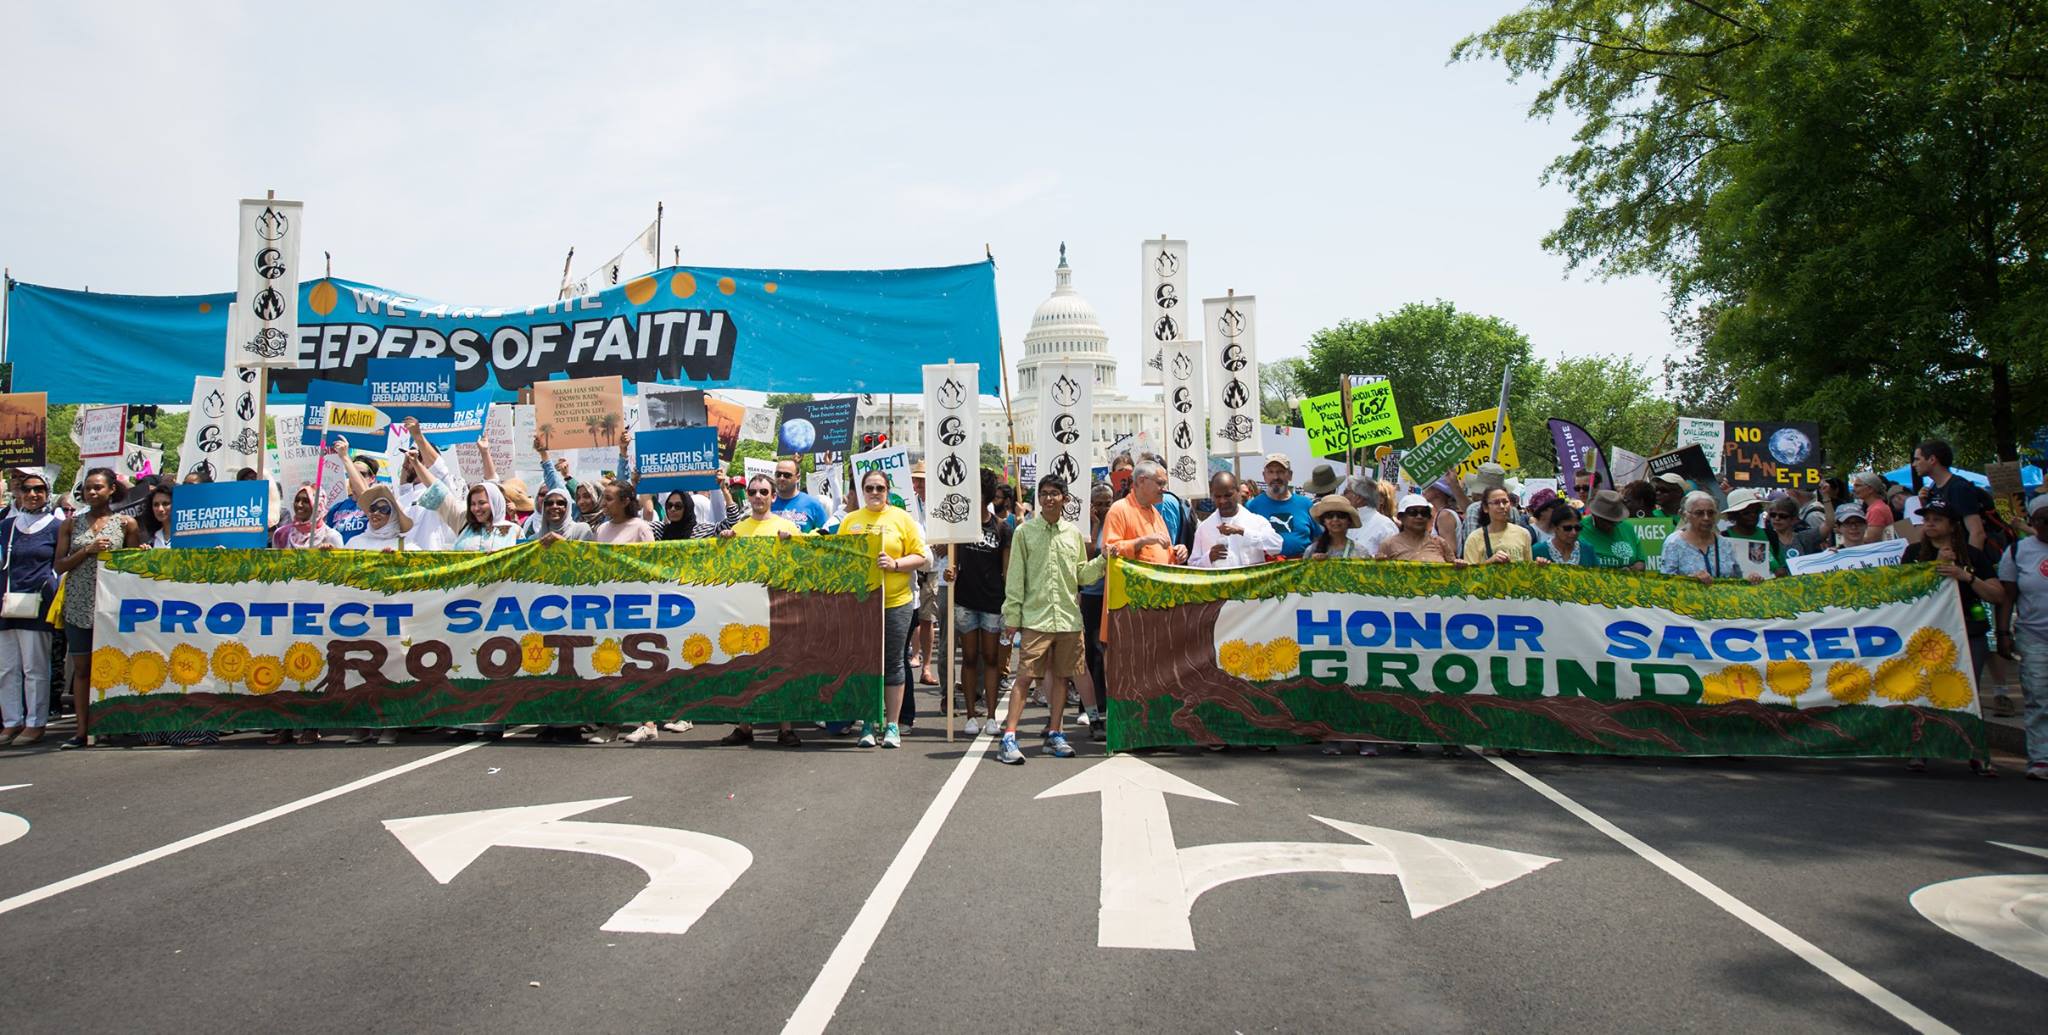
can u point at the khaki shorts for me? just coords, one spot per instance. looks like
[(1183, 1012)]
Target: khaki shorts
[(1061, 650)]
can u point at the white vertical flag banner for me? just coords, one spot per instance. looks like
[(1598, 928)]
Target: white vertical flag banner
[(1165, 305), (952, 453), (1230, 327), (220, 432), (642, 255), (1187, 412), (1065, 435), (263, 326)]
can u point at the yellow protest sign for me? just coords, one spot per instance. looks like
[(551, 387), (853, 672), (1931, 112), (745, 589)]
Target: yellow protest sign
[(354, 419), (1478, 431)]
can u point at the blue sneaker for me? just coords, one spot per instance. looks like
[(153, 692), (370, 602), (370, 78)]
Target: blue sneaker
[(1056, 742), (1010, 754), (891, 736)]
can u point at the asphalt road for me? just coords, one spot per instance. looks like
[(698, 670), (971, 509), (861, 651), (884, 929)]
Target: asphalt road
[(312, 915)]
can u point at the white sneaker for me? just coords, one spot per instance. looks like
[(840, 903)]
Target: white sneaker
[(679, 726), (387, 737), (973, 727), (867, 739), (1082, 718), (641, 735)]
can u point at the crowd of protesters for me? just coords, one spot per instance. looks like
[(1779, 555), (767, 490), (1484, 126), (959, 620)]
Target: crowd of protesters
[(1028, 596)]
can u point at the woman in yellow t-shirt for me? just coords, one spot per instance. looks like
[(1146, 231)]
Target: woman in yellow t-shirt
[(903, 552)]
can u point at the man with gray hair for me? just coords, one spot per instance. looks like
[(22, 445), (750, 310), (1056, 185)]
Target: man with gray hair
[(1373, 526)]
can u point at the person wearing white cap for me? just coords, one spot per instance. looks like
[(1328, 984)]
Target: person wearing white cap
[(2023, 569), (1851, 527), (1671, 488), (1416, 541), (1287, 512)]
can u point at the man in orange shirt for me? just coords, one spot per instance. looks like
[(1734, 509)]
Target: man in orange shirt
[(1133, 527)]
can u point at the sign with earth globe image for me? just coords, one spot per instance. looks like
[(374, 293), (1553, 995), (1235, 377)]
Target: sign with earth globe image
[(1790, 446), (799, 435)]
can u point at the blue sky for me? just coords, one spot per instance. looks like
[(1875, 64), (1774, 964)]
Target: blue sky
[(1321, 156)]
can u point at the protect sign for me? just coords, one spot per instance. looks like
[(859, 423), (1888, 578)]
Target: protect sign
[(1374, 419)]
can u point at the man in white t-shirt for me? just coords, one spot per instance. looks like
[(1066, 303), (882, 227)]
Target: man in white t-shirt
[(1373, 526), (1233, 537)]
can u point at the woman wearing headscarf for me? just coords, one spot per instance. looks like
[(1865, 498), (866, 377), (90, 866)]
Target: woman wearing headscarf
[(478, 516), (32, 529), (304, 530), (387, 523), (555, 520)]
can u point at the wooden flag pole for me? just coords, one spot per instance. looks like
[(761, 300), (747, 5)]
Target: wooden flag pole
[(6, 297), (1236, 452), (657, 233)]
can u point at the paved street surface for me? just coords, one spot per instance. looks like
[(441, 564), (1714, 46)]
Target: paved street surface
[(932, 889)]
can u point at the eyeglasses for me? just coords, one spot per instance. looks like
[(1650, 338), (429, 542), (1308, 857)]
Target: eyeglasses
[(44, 489), (785, 474), (1571, 527), (380, 508), (874, 488), (1415, 512), (760, 492), (556, 503), (1782, 517)]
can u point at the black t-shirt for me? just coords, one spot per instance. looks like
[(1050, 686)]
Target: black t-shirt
[(1962, 496), (1976, 613), (980, 586)]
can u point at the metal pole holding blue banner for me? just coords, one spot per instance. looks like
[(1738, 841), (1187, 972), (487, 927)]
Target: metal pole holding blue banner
[(1500, 414)]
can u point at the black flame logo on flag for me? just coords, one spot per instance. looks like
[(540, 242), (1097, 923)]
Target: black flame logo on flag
[(269, 304), (1235, 394), (952, 471), (1164, 329)]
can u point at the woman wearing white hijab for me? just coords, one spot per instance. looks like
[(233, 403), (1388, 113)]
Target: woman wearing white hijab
[(478, 515), (386, 522), (304, 530), (31, 532)]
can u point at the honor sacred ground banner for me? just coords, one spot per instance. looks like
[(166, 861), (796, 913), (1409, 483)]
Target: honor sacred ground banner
[(753, 630), (771, 330), (1554, 658)]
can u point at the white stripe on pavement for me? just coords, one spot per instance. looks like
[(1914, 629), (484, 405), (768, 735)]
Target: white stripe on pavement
[(829, 988), (1883, 998), (31, 897)]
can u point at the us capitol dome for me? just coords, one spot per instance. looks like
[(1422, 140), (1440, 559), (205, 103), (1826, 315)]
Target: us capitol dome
[(1064, 329)]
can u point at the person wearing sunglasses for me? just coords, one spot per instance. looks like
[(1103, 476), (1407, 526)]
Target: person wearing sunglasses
[(1416, 540), (386, 522), (805, 511), (903, 552), (1564, 546), (555, 520), (30, 564), (761, 522)]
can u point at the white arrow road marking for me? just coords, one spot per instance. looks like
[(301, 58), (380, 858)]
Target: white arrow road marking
[(12, 827), (2005, 913), (1149, 886), (687, 871)]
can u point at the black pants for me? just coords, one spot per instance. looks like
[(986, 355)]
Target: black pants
[(1091, 624)]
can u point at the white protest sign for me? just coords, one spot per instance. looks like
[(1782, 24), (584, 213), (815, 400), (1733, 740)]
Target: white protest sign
[(952, 453), (263, 325), (1870, 555), (1187, 416), (894, 462), (755, 465), (1625, 467), (102, 430), (1231, 329), (1164, 306), (758, 425), (1752, 556), (1709, 435)]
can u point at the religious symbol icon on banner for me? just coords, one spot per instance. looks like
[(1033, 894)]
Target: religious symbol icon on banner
[(1166, 264), (952, 431), (1165, 329), (952, 471), (1065, 391), (272, 225), (1237, 429), (1231, 323), (951, 394)]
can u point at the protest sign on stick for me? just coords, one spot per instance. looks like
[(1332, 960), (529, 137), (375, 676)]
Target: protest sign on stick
[(423, 389), (671, 459), (1478, 429), (583, 413), (952, 453), (1373, 419), (1187, 420), (817, 426), (1441, 451), (1231, 330), (102, 430), (263, 324), (235, 515), (1065, 435)]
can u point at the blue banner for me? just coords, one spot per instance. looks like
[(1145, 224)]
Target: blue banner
[(318, 395), (463, 423), (422, 389), (234, 515), (769, 330), (669, 459)]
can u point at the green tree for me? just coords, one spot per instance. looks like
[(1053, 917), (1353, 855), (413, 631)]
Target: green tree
[(1443, 362), (777, 400), (745, 450), (1610, 396), (991, 456), (1856, 186), (1281, 389)]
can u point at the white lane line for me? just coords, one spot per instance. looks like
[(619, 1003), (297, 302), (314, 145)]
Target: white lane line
[(829, 988), (1883, 998), (31, 897)]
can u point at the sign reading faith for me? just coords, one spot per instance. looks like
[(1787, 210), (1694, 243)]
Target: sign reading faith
[(952, 453), (233, 515), (1478, 431), (1164, 306), (263, 325), (669, 459)]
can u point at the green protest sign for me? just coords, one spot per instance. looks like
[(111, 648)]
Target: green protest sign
[(1373, 419), (1438, 453), (1651, 533)]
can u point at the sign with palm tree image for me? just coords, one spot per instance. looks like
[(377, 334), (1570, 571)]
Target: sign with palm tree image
[(583, 413)]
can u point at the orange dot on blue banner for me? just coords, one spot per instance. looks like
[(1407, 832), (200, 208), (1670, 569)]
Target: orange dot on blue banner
[(682, 285)]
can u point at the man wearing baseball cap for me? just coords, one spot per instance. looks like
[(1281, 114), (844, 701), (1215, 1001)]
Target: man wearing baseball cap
[(2023, 569), (1671, 489), (1287, 512)]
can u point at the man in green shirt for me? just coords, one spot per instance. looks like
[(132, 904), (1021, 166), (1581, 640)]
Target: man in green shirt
[(1041, 596), (1608, 533)]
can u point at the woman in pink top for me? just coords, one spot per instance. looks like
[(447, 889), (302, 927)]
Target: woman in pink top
[(1869, 487), (622, 520)]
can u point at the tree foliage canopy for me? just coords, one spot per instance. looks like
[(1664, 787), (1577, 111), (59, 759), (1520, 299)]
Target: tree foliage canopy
[(1443, 362), (1855, 190)]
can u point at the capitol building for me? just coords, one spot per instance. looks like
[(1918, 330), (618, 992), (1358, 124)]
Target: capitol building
[(1064, 329)]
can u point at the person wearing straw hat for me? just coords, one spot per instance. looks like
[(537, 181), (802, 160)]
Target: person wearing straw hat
[(1338, 518)]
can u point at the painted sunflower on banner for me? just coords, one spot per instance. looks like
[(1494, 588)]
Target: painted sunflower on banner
[(265, 674), (1949, 689), (1232, 657), (608, 659), (732, 639), (1283, 656), (696, 649), (1732, 683), (1899, 679), (303, 663), (1848, 682), (534, 654), (188, 665), (146, 671), (109, 669), (231, 662), (1788, 678)]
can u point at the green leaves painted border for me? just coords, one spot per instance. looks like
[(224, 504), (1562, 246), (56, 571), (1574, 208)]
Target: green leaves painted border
[(1153, 586), (820, 564)]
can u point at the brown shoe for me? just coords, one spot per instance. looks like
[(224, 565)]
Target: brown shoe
[(309, 736), (7, 735), (33, 735)]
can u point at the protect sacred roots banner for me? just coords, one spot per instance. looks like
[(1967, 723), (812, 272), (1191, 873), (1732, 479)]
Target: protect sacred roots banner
[(740, 630), (769, 330), (1866, 662)]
